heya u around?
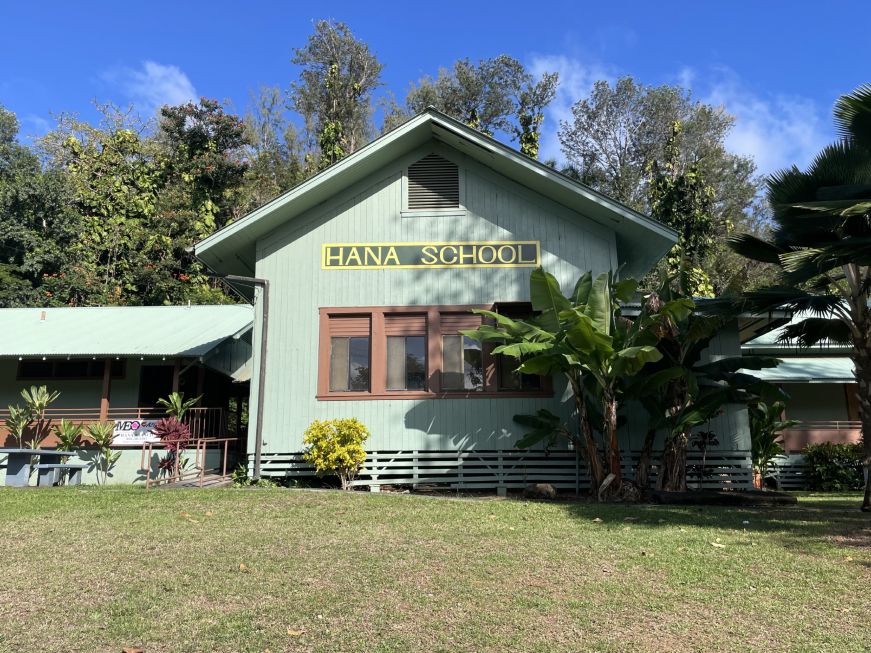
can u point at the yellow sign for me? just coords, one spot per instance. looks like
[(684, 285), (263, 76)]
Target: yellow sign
[(379, 256)]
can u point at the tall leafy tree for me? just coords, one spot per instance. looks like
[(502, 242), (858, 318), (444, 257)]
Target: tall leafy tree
[(334, 90), (491, 95), (115, 185), (821, 244), (620, 131), (37, 223), (683, 200), (274, 154), (203, 156)]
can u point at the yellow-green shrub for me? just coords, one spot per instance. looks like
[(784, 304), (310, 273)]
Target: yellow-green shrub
[(335, 446)]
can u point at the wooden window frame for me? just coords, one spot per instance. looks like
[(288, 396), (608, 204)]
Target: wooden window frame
[(378, 358)]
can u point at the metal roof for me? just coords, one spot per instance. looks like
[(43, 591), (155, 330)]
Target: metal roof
[(809, 369), (771, 342), (179, 331), (641, 241)]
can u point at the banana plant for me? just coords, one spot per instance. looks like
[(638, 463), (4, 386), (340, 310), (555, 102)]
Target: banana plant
[(766, 425), (682, 390), (585, 338)]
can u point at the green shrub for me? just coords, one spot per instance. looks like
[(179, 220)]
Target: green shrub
[(335, 446), (834, 467)]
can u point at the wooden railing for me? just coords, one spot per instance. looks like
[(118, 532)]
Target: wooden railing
[(198, 473), (203, 422)]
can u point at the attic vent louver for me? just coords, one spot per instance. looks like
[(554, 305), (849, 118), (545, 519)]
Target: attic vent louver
[(433, 183)]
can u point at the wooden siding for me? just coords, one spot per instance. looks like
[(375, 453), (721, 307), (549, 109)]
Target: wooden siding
[(371, 212)]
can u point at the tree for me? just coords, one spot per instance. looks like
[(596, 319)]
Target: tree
[(275, 157), (820, 244), (334, 91), (115, 185), (492, 95), (683, 201), (683, 390), (585, 338), (37, 223), (618, 133), (203, 147)]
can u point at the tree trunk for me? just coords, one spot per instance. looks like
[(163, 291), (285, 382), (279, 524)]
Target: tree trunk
[(862, 362), (591, 451), (673, 470), (642, 470), (609, 410)]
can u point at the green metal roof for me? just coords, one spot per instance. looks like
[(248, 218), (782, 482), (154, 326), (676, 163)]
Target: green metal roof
[(809, 369), (770, 342), (641, 241), (179, 331)]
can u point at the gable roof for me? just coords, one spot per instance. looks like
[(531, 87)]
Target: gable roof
[(641, 241), (177, 331)]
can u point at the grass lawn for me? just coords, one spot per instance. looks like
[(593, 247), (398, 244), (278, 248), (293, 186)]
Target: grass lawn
[(90, 569)]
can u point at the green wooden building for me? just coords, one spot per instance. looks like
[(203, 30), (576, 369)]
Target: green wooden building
[(369, 270)]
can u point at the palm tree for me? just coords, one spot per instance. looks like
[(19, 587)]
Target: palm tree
[(821, 244)]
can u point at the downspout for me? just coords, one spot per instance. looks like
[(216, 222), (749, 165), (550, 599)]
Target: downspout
[(261, 371)]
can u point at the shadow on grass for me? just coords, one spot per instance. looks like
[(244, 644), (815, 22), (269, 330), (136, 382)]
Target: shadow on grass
[(814, 521)]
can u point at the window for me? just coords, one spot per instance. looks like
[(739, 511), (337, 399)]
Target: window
[(463, 366), (414, 352), (349, 353), (63, 368), (509, 378), (406, 351), (406, 363), (433, 183)]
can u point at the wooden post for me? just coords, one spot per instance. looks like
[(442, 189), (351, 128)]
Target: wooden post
[(107, 388), (201, 380), (176, 375)]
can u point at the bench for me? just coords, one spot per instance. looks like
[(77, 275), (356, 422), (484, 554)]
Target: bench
[(48, 473)]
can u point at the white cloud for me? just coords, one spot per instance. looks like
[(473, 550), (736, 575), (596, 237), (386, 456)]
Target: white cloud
[(776, 130), (153, 85), (575, 82)]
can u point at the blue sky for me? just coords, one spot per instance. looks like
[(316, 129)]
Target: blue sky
[(776, 65)]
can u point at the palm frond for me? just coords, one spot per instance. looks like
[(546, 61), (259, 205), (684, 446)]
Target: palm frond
[(771, 298), (755, 248), (853, 115), (814, 330)]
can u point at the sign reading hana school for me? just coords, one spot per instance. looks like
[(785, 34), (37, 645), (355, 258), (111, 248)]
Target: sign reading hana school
[(378, 256), (134, 431)]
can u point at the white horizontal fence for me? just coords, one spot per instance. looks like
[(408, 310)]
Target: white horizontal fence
[(512, 469), (789, 472)]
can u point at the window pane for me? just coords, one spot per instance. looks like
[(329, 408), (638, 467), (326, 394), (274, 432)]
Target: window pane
[(508, 378), (452, 362), (359, 364), (511, 380), (338, 364), (415, 363), (396, 363), (473, 364)]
